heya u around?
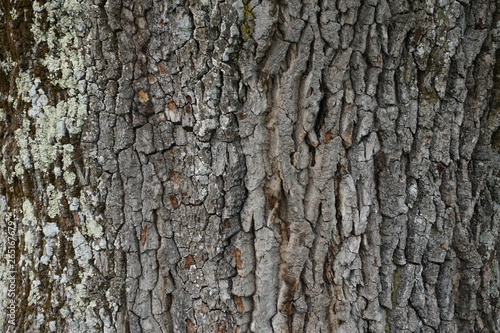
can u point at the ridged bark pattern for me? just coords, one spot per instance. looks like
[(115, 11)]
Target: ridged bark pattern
[(251, 165)]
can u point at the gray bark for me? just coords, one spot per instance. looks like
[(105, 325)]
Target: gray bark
[(250, 166)]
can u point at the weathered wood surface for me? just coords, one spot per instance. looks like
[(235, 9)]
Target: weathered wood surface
[(251, 166)]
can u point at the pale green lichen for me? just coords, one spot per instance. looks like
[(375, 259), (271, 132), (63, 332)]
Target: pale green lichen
[(81, 294), (66, 69), (4, 214), (69, 64), (29, 217), (4, 270), (77, 295), (93, 228), (18, 170), (13, 14), (5, 174), (7, 65), (34, 290), (46, 127), (69, 178), (29, 240), (52, 120), (54, 198), (72, 6), (25, 84), (23, 144), (67, 157)]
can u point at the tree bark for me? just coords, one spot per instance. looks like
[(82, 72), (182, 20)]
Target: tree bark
[(250, 166)]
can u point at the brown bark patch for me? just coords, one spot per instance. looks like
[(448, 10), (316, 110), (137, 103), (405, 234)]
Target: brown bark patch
[(479, 24), (143, 96), (227, 224), (273, 201), (173, 201), (221, 328), (240, 306), (237, 258), (328, 136), (440, 169), (418, 35), (171, 105), (162, 68), (242, 116), (189, 262), (76, 219), (191, 327), (175, 177), (160, 118), (144, 235)]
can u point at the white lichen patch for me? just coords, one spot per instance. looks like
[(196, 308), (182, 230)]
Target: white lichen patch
[(68, 64), (48, 252), (83, 252), (52, 326), (57, 172), (40, 318), (74, 204), (79, 307), (72, 6), (50, 230)]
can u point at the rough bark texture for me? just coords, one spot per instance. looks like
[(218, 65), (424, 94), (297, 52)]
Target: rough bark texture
[(251, 166)]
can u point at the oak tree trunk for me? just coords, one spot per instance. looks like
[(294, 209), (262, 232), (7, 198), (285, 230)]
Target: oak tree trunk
[(250, 166)]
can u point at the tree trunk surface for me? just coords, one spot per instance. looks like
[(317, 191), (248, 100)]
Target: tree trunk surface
[(250, 166)]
